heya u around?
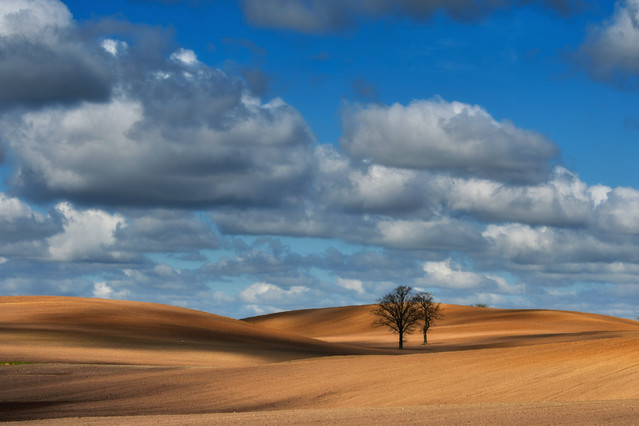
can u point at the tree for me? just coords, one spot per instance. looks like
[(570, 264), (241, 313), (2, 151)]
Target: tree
[(429, 311), (398, 311)]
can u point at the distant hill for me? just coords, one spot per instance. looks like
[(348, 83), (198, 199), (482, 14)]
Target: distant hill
[(460, 327), (85, 358), (116, 331)]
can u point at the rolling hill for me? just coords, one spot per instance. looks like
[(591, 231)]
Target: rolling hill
[(113, 362)]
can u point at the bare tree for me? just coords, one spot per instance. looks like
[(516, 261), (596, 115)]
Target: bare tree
[(398, 311), (429, 311)]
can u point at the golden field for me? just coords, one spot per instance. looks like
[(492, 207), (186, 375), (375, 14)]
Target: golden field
[(74, 360)]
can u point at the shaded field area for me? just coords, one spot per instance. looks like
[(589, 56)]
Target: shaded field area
[(118, 361)]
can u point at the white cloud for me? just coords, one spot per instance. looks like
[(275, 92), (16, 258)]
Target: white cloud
[(447, 136), (599, 194), (270, 294), (186, 56), (556, 250), (562, 200), (350, 284), (102, 290), (87, 234), (514, 239), (119, 153), (12, 209), (612, 50), (82, 143), (114, 47), (33, 18), (505, 287), (437, 234), (448, 274), (620, 211), (382, 188)]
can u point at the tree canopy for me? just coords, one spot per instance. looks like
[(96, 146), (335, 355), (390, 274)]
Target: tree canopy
[(429, 311), (398, 311), (401, 310)]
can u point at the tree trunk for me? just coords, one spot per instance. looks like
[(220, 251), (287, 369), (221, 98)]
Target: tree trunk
[(401, 340), (425, 338)]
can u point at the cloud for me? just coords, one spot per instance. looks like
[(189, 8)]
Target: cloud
[(262, 297), (564, 200), (611, 51), (447, 136), (185, 56), (170, 181), (13, 209), (30, 18), (264, 258), (318, 16), (22, 230), (272, 294), (437, 234), (164, 231), (87, 235), (354, 285), (102, 290), (450, 275), (193, 137), (43, 59), (369, 188), (618, 211), (161, 129), (555, 256)]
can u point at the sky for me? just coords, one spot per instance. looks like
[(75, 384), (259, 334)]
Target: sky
[(252, 156)]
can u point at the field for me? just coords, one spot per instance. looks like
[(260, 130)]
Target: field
[(74, 360)]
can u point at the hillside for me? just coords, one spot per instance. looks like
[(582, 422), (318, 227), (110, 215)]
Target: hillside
[(123, 332), (460, 327), (95, 361)]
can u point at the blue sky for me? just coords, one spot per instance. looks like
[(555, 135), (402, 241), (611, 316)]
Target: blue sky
[(244, 157)]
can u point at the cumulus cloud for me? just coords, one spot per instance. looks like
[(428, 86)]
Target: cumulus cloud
[(447, 136), (618, 210), (316, 16), (121, 120), (162, 231), (114, 47), (22, 230), (29, 18), (437, 234), (87, 234), (102, 290), (449, 274), (263, 258), (555, 256), (371, 188), (354, 285), (563, 200), (152, 133), (192, 137), (272, 294), (263, 297), (611, 51), (185, 56), (43, 60), (13, 209)]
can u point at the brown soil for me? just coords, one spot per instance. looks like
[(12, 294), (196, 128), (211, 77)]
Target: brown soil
[(114, 362)]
